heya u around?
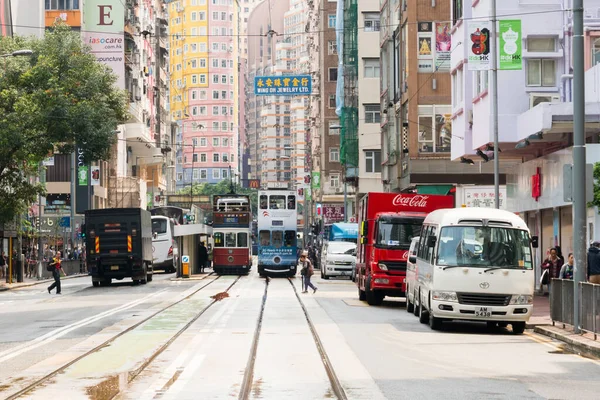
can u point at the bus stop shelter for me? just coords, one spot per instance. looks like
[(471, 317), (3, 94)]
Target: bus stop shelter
[(188, 237)]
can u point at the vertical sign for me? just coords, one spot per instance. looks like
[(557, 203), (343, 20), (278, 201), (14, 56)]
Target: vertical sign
[(81, 189), (424, 47), (443, 46), (316, 180), (95, 175), (103, 27), (510, 45), (478, 47)]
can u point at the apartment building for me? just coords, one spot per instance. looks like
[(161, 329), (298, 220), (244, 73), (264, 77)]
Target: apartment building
[(203, 66), (535, 109)]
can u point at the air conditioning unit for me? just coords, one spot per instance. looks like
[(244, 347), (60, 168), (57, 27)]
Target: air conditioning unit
[(537, 98)]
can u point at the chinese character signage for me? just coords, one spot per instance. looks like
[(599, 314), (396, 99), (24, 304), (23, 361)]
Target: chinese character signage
[(478, 48), (285, 85), (333, 213), (479, 196), (104, 24), (510, 45)]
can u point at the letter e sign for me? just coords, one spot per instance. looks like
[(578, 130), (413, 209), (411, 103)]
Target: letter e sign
[(105, 15)]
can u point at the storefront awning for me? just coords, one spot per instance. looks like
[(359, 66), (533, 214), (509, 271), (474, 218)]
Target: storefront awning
[(434, 189)]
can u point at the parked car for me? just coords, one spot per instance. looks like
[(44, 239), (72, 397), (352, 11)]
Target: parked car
[(339, 259), (411, 275)]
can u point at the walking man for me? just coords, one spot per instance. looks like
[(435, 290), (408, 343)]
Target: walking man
[(307, 271), (56, 270)]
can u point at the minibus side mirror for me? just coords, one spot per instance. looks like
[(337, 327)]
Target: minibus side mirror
[(412, 259), (535, 242), (431, 241)]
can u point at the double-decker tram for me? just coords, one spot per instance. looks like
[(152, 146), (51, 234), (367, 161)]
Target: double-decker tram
[(232, 219), (277, 232)]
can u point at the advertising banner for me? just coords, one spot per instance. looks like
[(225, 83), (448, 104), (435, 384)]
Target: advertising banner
[(333, 213), (510, 45), (95, 176), (288, 85), (478, 48), (81, 189), (483, 196), (103, 31), (443, 46), (316, 180), (425, 47)]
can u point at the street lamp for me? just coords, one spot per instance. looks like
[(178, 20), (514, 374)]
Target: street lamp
[(18, 53)]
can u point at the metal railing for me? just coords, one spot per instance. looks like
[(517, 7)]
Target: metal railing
[(562, 307)]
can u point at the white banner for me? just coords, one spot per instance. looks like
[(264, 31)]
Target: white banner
[(478, 48)]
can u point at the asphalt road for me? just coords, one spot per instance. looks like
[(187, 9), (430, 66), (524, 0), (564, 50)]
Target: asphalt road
[(200, 348)]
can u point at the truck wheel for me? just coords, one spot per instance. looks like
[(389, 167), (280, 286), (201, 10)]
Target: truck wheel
[(362, 295), (518, 327), (106, 282), (95, 283), (423, 314), (374, 298), (149, 277)]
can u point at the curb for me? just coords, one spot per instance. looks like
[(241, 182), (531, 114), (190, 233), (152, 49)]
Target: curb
[(576, 346), (41, 281)]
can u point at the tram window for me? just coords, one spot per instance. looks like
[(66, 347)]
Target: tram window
[(230, 239), (218, 236), (277, 239), (265, 238), (290, 238), (291, 202), (264, 202), (277, 202), (242, 239)]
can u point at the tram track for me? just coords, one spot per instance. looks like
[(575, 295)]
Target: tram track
[(248, 380), (40, 382)]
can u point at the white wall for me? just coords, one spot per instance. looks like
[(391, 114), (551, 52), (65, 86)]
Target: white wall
[(28, 17)]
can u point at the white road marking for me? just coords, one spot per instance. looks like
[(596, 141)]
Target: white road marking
[(57, 333)]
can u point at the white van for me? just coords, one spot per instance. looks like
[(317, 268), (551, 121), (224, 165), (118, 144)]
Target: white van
[(338, 259), (164, 246), (475, 264), (411, 275)]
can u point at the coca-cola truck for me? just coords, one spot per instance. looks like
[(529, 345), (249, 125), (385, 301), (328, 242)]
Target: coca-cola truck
[(387, 224)]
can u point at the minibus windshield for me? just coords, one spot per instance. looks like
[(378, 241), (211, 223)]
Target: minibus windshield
[(479, 246)]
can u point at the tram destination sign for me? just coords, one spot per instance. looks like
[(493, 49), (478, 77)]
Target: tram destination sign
[(231, 219), (283, 85)]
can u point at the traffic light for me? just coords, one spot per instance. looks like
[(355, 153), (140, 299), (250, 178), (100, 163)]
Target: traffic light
[(83, 231)]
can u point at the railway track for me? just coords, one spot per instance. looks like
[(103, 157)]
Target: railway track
[(42, 381), (248, 380)]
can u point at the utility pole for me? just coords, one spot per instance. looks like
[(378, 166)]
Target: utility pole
[(40, 249), (496, 51), (579, 160), (158, 60), (73, 180)]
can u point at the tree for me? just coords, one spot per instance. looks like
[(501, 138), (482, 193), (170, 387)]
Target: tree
[(596, 182), (223, 187), (58, 98)]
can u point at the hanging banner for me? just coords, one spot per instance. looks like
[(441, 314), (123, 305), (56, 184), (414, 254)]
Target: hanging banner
[(316, 180), (425, 47), (510, 45), (81, 189), (443, 46), (479, 57), (95, 176)]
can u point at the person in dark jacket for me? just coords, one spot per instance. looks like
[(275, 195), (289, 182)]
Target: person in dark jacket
[(202, 256), (593, 261)]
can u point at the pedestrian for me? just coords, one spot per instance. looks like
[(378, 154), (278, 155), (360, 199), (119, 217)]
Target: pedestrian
[(3, 265), (56, 268), (593, 272), (306, 271), (202, 257), (566, 272), (551, 267)]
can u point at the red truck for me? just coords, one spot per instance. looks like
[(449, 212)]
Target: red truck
[(387, 223)]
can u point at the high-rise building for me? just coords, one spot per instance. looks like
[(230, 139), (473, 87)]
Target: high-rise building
[(203, 66)]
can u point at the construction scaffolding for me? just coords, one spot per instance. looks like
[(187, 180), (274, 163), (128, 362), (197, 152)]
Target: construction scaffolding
[(349, 116)]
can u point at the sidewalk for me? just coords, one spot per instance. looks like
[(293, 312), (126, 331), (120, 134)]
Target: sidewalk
[(32, 282), (541, 312)]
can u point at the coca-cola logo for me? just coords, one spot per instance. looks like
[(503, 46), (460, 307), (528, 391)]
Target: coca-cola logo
[(405, 255), (411, 201)]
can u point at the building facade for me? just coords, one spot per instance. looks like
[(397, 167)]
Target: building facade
[(203, 68)]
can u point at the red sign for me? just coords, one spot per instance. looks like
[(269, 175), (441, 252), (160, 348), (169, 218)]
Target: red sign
[(536, 185), (333, 213), (402, 202), (418, 200), (254, 183)]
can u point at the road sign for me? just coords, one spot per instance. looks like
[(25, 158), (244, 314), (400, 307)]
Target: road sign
[(185, 259), (568, 182)]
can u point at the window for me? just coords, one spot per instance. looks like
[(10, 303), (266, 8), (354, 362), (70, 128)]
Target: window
[(232, 156), (371, 67), (224, 79), (334, 154), (277, 202), (332, 101), (203, 142), (434, 129), (216, 174), (331, 21), (331, 47), (225, 142), (215, 16), (334, 128), (372, 114), (373, 161), (481, 82), (194, 79), (202, 16), (216, 142), (223, 94), (223, 63), (263, 202), (194, 63), (194, 16), (265, 238), (194, 94), (457, 10), (215, 63), (62, 4), (224, 126), (333, 74), (225, 157), (215, 110), (224, 110), (194, 110), (372, 23), (202, 110), (215, 157), (215, 126), (334, 180), (203, 174), (202, 92), (194, 47), (195, 174), (195, 142), (541, 72), (224, 173), (203, 157), (215, 78), (541, 45), (242, 239), (215, 95), (195, 157), (203, 80), (457, 87)]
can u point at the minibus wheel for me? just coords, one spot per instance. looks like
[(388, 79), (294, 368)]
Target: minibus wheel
[(415, 307), (518, 327), (423, 314), (409, 306)]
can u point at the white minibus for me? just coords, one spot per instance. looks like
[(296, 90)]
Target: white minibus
[(474, 264), (164, 246)]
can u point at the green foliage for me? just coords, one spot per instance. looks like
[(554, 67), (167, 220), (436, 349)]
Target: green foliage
[(596, 201), (54, 99), (223, 187)]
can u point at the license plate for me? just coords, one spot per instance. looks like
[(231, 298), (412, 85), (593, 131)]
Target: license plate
[(114, 267), (483, 312)]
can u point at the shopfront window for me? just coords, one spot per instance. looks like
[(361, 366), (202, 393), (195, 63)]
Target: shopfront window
[(435, 129)]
